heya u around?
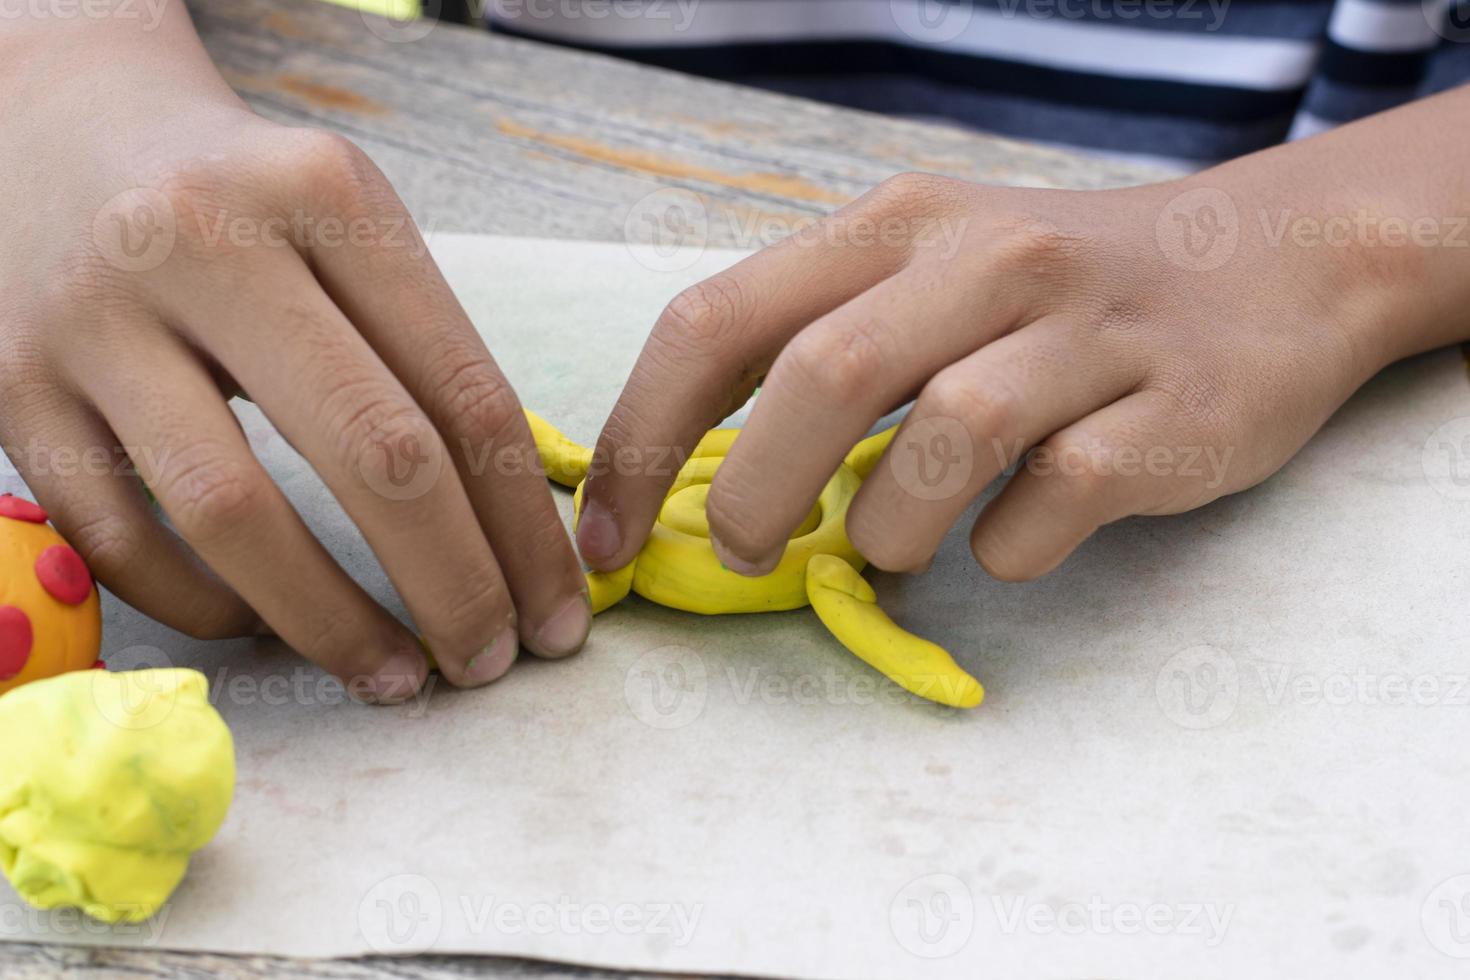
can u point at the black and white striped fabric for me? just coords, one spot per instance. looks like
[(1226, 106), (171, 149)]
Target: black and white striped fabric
[(1191, 81)]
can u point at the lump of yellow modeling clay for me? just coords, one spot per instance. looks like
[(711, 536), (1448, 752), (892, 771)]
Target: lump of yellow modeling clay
[(111, 781)]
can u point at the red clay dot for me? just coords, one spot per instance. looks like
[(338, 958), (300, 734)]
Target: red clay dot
[(15, 641), (98, 665), (63, 574), (21, 510)]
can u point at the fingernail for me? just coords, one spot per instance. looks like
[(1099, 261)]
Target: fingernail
[(738, 565), (598, 536), (493, 661), (567, 629), (398, 679)]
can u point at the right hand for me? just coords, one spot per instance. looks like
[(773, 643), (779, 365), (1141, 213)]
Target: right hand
[(166, 249)]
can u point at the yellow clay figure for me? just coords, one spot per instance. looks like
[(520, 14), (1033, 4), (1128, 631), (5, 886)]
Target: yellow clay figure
[(678, 568), (111, 781)]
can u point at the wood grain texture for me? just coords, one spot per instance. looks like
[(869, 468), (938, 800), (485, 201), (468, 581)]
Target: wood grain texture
[(488, 134)]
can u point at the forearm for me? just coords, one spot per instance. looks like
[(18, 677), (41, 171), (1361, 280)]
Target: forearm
[(1387, 202), (93, 56)]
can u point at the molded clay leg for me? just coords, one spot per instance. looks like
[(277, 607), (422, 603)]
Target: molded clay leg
[(848, 607), (564, 461), (607, 589), (865, 455)]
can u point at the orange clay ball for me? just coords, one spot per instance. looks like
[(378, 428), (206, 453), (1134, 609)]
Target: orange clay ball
[(50, 617)]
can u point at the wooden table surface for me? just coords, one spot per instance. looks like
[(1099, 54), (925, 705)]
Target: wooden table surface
[(487, 134)]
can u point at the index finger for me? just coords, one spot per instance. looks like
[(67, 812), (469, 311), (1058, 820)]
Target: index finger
[(707, 352)]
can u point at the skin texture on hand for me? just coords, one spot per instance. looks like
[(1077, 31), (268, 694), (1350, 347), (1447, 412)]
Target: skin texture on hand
[(167, 249), (1127, 352)]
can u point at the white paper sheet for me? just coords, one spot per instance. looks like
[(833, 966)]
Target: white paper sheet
[(1225, 744)]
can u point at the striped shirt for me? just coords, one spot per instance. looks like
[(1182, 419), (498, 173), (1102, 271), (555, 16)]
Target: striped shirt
[(1184, 81)]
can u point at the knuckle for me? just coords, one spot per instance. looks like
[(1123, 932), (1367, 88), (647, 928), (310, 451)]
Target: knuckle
[(979, 405), (24, 377), (212, 496), (479, 399), (1199, 396), (1003, 562), (735, 518), (468, 618), (332, 167), (107, 543), (379, 432), (1027, 244), (704, 316), (837, 367), (337, 641), (216, 623), (1080, 466), (916, 191), (886, 547)]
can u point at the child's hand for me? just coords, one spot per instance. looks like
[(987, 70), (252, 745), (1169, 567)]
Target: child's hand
[(1159, 347), (165, 248)]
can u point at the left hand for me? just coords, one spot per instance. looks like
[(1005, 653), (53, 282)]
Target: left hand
[(1149, 358)]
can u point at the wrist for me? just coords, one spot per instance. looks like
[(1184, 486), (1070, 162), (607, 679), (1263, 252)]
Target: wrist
[(1389, 272)]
